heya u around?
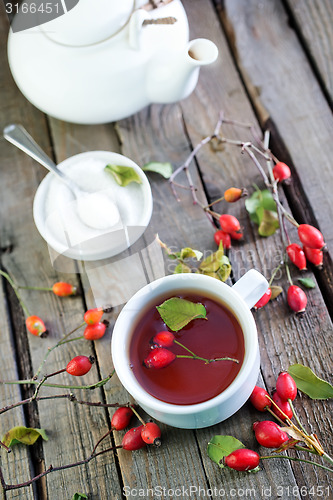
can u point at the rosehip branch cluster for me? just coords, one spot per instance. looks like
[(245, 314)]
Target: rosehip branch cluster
[(311, 238), (161, 357), (270, 435)]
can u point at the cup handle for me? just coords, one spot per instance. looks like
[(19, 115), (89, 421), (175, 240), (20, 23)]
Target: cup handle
[(251, 287)]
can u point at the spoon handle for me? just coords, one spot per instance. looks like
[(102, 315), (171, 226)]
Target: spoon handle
[(17, 135)]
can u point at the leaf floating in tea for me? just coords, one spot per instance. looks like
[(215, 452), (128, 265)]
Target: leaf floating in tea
[(123, 175), (177, 313), (309, 383), (221, 446)]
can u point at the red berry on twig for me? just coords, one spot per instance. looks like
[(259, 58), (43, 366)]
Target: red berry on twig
[(296, 255), (236, 235), (259, 399), (132, 440), (283, 405), (234, 194), (286, 386), (269, 434), (242, 459), (151, 434), (314, 255), (229, 223), (93, 316), (296, 299), (159, 358), (221, 236), (163, 339), (310, 236), (264, 299), (96, 331), (36, 326), (281, 171), (80, 365), (121, 418), (63, 289)]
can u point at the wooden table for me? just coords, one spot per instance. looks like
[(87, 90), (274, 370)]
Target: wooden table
[(275, 70)]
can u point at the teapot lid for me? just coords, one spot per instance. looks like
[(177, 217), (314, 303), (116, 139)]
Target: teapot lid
[(89, 22)]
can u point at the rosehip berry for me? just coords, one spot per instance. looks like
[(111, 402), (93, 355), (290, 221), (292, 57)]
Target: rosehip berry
[(286, 386), (95, 332), (236, 235), (36, 326), (163, 339), (269, 434), (80, 365), (229, 223), (310, 236), (159, 358), (259, 399), (281, 171), (63, 289), (314, 255), (221, 236), (234, 194), (264, 299), (283, 405), (132, 440), (296, 299), (242, 459), (296, 255), (151, 434), (121, 418), (93, 316)]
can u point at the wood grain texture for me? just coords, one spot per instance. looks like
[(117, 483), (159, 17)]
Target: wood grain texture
[(284, 338), (314, 20)]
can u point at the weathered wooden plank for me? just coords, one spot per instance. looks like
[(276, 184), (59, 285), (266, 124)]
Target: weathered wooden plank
[(284, 338), (72, 430), (15, 465), (314, 22), (293, 105)]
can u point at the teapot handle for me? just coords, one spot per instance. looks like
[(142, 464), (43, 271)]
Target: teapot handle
[(251, 287)]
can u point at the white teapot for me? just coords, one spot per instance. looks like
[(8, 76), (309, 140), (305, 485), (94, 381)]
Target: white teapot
[(106, 59)]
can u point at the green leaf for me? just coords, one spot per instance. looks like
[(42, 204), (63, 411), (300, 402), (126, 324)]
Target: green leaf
[(307, 282), (262, 209), (24, 435), (164, 169), (308, 382), (123, 175), (216, 265), (268, 222), (222, 446), (276, 290), (177, 313), (181, 268), (79, 496), (190, 253)]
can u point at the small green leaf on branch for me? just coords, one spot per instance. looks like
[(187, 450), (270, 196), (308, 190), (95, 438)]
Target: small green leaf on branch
[(216, 265), (24, 435), (221, 446), (190, 253), (177, 313), (276, 290), (79, 496), (164, 169), (262, 209), (182, 268), (309, 383), (307, 282), (123, 175)]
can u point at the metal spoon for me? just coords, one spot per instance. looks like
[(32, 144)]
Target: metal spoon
[(86, 202)]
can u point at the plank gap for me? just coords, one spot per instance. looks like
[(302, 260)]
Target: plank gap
[(294, 25)]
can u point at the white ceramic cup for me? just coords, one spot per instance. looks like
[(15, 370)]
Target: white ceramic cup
[(239, 299)]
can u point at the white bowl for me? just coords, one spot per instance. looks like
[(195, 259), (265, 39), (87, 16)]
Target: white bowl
[(239, 298), (57, 220)]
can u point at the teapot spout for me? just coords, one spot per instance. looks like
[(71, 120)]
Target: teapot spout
[(173, 76)]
